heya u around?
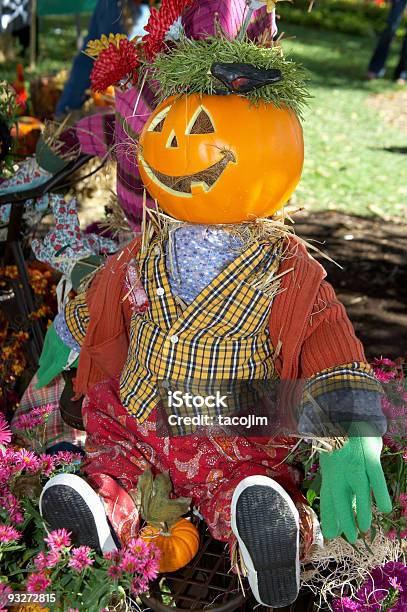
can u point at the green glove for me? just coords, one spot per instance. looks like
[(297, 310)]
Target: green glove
[(349, 474), (54, 358)]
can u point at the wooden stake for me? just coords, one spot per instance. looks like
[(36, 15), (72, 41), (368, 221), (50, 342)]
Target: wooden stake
[(33, 35)]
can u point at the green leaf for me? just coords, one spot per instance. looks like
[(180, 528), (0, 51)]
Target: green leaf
[(156, 507), (311, 495), (91, 596), (316, 483)]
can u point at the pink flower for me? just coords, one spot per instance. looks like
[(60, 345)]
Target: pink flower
[(27, 460), (46, 560), (112, 555), (34, 418), (44, 411), (81, 558), (5, 432), (405, 456), (130, 563), (41, 561), (384, 361), (10, 503), (53, 557), (139, 585), (5, 474), (17, 517), (403, 501), (66, 457), (8, 534), (346, 604), (382, 376), (4, 591), (138, 546), (384, 369), (26, 422), (114, 572), (48, 464), (150, 569), (7, 457), (37, 583), (58, 539), (395, 584)]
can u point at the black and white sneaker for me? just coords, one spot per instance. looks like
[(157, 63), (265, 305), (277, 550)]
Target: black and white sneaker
[(266, 524), (69, 501)]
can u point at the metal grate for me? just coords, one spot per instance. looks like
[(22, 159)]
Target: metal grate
[(205, 583), (208, 584)]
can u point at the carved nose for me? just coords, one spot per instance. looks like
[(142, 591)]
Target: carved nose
[(173, 142)]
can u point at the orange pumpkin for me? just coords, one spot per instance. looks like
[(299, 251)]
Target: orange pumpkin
[(29, 608), (220, 159), (27, 133), (178, 546), (104, 98)]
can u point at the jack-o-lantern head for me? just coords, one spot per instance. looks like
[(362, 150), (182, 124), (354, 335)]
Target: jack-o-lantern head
[(220, 158)]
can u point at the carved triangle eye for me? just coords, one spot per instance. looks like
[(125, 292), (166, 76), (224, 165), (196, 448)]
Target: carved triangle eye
[(158, 121), (159, 126), (201, 124), (174, 142)]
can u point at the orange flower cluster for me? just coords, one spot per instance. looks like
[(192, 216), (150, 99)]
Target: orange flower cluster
[(41, 280), (13, 360)]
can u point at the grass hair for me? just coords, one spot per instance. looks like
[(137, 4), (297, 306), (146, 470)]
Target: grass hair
[(186, 69)]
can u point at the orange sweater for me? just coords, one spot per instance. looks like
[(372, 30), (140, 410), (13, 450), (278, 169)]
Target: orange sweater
[(309, 327)]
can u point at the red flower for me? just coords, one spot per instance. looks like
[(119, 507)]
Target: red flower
[(159, 23), (114, 64)]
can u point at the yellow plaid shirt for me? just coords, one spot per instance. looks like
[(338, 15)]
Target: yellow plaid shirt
[(77, 317), (222, 335)]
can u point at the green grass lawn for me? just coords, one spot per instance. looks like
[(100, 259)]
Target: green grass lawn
[(347, 167)]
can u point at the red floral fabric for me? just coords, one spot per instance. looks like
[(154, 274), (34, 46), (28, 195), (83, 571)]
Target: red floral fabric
[(207, 469)]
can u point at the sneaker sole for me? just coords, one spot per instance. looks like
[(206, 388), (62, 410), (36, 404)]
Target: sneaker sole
[(266, 524), (68, 501)]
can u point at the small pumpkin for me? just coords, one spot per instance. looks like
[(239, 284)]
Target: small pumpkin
[(105, 98), (27, 132), (178, 545), (220, 159), (177, 538)]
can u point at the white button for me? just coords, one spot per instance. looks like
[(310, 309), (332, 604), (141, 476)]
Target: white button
[(174, 339), (160, 291)]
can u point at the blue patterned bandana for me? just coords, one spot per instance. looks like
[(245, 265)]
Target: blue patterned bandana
[(195, 255)]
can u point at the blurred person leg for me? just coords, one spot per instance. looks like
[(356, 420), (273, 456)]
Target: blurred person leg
[(379, 57), (400, 73), (106, 18)]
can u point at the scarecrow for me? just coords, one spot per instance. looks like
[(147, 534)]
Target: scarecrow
[(217, 292)]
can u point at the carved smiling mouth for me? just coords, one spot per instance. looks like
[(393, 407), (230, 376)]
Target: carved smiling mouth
[(183, 185)]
